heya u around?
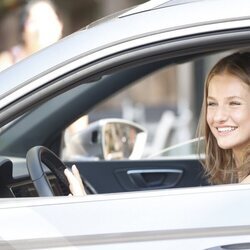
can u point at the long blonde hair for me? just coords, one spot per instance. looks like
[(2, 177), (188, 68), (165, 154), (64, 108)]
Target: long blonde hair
[(219, 164)]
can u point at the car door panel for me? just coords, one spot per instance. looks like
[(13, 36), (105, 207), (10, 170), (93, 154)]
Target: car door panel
[(134, 220), (137, 175)]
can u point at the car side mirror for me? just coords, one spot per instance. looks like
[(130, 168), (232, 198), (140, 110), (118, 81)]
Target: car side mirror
[(109, 139)]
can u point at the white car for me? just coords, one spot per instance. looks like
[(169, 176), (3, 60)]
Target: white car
[(139, 196)]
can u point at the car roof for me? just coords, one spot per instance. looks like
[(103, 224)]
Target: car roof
[(154, 4), (153, 17)]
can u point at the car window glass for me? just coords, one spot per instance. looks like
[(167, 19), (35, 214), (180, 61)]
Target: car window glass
[(165, 103)]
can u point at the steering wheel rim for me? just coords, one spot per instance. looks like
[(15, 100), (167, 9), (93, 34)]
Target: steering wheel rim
[(37, 156)]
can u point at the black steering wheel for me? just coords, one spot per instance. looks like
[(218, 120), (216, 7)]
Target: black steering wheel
[(39, 155), (35, 158)]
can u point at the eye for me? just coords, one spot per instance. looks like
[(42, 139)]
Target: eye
[(211, 103), (234, 103)]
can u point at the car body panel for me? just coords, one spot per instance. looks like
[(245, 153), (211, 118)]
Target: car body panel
[(126, 220)]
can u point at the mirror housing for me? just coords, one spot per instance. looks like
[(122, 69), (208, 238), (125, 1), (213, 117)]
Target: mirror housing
[(109, 139)]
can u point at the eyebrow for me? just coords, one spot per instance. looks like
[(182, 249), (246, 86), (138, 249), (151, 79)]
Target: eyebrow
[(234, 96), (229, 97)]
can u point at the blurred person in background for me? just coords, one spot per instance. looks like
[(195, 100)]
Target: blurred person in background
[(40, 26)]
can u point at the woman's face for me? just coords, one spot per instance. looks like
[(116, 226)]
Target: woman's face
[(228, 111)]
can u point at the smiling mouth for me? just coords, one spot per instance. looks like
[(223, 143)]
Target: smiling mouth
[(225, 129)]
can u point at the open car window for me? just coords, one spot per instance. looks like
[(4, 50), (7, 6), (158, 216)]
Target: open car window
[(165, 105)]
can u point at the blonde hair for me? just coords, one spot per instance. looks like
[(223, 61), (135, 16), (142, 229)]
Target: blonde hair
[(219, 164)]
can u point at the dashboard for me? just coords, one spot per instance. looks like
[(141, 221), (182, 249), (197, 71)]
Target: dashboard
[(15, 180), (27, 188)]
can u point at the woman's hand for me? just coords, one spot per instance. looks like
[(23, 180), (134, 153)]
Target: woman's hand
[(75, 182)]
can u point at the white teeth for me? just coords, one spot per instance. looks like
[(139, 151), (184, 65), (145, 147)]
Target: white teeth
[(226, 129)]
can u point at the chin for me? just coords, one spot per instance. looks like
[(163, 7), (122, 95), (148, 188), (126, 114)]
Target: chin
[(225, 145)]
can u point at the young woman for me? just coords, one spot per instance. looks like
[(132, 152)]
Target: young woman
[(225, 120)]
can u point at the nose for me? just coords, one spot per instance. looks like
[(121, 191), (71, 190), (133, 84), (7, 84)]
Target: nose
[(221, 114)]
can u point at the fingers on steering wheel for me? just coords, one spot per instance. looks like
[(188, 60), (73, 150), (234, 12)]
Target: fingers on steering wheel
[(75, 181), (76, 173)]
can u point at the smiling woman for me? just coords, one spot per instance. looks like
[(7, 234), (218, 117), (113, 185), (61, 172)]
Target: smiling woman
[(225, 120)]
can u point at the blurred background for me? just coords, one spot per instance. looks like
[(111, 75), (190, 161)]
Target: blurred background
[(75, 15)]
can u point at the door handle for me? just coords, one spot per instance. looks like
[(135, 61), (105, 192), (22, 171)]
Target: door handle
[(155, 178), (239, 246)]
